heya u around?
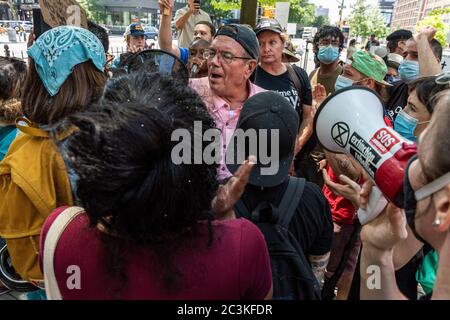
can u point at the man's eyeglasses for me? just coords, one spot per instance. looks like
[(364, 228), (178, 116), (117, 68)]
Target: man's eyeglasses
[(226, 57)]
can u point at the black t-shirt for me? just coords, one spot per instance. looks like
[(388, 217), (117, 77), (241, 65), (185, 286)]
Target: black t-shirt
[(311, 225), (284, 85), (398, 99)]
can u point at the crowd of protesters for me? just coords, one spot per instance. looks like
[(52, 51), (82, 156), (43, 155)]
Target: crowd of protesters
[(88, 176)]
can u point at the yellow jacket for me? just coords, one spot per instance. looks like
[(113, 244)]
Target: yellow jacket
[(33, 182)]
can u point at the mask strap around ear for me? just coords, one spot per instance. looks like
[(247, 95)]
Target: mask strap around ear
[(433, 187)]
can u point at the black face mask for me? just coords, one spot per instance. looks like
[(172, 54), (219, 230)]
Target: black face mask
[(410, 202)]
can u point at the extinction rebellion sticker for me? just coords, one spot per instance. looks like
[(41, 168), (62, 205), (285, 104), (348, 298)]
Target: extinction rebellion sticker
[(364, 154)]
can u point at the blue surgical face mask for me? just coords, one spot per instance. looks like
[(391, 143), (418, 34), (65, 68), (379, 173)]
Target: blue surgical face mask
[(405, 125), (393, 79), (408, 70), (328, 55), (342, 82)]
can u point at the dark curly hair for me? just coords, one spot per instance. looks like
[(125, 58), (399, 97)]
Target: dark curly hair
[(12, 75), (128, 182), (426, 88), (327, 31)]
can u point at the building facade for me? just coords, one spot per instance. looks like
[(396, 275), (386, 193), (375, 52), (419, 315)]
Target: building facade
[(407, 13), (120, 13), (4, 10), (387, 10), (431, 5)]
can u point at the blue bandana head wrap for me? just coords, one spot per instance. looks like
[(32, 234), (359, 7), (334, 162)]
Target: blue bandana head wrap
[(59, 50)]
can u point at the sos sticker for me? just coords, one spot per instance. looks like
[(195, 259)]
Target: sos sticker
[(384, 140)]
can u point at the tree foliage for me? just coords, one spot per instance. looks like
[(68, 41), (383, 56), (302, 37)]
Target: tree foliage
[(215, 12), (94, 10), (434, 19), (228, 5), (300, 11), (366, 20), (321, 21)]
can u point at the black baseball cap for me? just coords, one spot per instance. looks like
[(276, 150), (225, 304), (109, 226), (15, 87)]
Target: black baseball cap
[(242, 34), (267, 24), (400, 34), (265, 111)]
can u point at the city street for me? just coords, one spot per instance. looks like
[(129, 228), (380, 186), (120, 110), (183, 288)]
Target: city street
[(117, 46)]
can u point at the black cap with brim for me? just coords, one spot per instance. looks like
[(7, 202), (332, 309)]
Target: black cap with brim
[(242, 34), (266, 111), (401, 34), (268, 25)]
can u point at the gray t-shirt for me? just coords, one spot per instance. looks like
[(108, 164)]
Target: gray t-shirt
[(186, 35)]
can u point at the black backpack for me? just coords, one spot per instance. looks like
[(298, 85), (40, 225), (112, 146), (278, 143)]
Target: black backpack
[(292, 275)]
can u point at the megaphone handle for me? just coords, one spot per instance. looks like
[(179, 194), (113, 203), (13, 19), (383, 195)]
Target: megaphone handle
[(377, 203)]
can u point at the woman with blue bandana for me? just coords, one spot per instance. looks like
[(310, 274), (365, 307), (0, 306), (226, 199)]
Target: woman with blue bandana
[(65, 75)]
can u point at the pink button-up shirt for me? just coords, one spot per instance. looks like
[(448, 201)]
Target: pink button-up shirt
[(225, 118)]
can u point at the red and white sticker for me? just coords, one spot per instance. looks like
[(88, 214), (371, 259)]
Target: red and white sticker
[(384, 140)]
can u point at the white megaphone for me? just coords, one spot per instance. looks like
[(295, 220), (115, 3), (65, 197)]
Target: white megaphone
[(351, 121)]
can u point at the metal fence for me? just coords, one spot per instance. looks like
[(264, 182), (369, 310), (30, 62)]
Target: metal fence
[(6, 51)]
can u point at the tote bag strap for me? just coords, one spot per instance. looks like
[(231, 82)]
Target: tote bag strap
[(51, 240)]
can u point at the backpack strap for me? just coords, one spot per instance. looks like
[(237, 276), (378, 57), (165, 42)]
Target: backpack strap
[(241, 209), (284, 212), (51, 240), (290, 200), (295, 78)]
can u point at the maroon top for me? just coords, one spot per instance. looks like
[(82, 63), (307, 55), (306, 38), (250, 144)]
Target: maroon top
[(236, 266)]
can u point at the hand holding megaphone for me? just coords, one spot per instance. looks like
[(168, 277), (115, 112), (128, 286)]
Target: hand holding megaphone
[(351, 121)]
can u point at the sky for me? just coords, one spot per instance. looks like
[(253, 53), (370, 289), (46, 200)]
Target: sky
[(334, 4)]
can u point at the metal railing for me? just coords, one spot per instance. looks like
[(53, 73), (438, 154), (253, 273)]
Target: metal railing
[(22, 54)]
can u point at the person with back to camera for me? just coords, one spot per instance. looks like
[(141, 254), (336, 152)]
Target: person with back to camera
[(156, 229), (65, 75)]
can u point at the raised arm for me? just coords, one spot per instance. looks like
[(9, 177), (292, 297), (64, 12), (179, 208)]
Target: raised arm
[(165, 29), (429, 64), (181, 19)]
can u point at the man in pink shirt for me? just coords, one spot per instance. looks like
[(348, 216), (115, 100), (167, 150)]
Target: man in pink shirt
[(232, 58)]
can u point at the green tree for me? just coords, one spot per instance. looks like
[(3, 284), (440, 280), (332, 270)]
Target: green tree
[(215, 13), (321, 21), (248, 8), (366, 20), (228, 5), (94, 10), (302, 12), (434, 19)]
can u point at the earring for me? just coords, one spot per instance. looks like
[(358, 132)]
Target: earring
[(436, 223)]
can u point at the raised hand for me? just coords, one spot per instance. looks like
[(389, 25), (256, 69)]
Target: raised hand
[(228, 194)]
